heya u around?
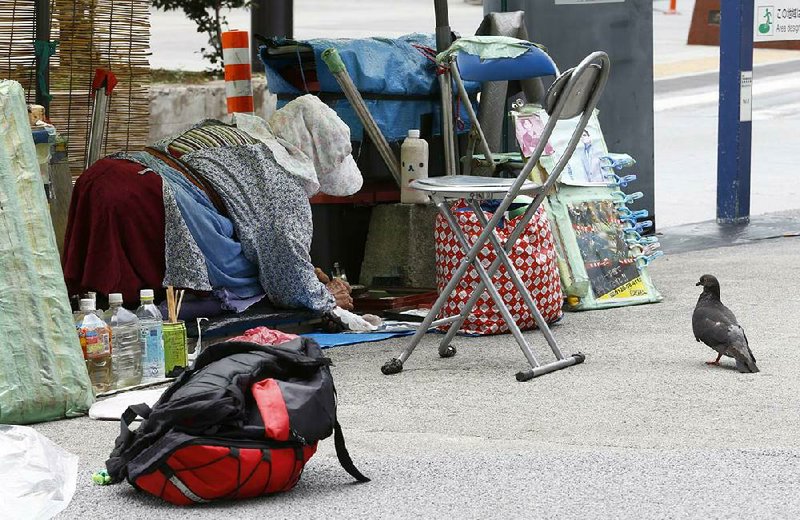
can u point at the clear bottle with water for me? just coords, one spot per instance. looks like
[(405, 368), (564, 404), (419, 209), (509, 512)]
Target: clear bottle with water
[(338, 272), (95, 338), (150, 321), (126, 343)]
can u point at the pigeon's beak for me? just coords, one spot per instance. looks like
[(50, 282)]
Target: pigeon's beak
[(698, 283)]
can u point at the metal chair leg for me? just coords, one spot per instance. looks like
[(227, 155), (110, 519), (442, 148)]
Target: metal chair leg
[(561, 362), (395, 365), (516, 279), (478, 291), (488, 285)]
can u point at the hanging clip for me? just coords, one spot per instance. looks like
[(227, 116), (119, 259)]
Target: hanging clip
[(645, 260), (632, 216), (638, 226), (616, 180), (651, 248), (616, 161), (623, 198), (636, 238)]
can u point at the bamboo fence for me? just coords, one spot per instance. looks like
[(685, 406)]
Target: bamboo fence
[(111, 34)]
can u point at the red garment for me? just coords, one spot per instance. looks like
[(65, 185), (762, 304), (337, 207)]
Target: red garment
[(115, 231), (265, 336)]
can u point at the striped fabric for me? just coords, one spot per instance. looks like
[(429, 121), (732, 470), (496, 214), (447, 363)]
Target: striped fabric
[(210, 134)]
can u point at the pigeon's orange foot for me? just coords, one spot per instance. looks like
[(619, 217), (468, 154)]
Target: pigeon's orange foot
[(715, 363)]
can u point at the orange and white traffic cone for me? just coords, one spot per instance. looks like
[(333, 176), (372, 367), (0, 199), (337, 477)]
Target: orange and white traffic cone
[(238, 72), (673, 7)]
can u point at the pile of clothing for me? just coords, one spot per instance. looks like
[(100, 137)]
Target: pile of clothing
[(219, 208)]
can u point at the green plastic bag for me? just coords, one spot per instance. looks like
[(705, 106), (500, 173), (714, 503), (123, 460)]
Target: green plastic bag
[(602, 260), (42, 372)]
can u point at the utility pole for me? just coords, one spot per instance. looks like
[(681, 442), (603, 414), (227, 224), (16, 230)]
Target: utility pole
[(269, 18), (41, 9), (735, 111)]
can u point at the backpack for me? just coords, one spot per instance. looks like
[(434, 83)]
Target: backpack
[(242, 422)]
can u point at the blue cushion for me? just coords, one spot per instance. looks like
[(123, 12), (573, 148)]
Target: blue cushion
[(533, 63)]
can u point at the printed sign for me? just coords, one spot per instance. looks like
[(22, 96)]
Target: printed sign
[(607, 257), (583, 168), (776, 20), (746, 96)]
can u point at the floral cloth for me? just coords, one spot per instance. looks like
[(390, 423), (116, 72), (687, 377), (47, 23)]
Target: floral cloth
[(272, 216)]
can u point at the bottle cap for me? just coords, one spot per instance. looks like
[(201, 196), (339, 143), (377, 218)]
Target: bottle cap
[(414, 134), (87, 304), (146, 293), (114, 298)]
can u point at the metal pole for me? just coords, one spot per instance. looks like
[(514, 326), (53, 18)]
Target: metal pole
[(735, 109), (339, 71), (102, 85), (42, 16), (443, 41), (272, 19)]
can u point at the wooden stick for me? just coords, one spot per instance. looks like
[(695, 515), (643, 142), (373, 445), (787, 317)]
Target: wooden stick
[(170, 303), (178, 309)]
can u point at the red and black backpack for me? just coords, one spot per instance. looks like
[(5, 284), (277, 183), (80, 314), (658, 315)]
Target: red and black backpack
[(242, 422)]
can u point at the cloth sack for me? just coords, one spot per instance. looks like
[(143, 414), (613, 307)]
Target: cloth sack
[(533, 256)]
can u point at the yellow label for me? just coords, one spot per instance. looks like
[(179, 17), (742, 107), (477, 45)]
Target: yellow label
[(633, 289)]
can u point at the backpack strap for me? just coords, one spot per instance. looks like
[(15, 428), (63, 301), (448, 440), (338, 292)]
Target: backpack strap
[(341, 450), (118, 461), (344, 456)]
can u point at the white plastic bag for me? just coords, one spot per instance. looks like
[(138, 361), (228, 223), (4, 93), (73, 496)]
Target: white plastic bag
[(111, 409), (37, 477)]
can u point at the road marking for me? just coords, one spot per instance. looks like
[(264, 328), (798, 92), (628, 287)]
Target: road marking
[(776, 112), (760, 88)]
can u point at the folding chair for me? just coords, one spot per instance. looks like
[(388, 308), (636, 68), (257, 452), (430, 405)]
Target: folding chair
[(573, 93)]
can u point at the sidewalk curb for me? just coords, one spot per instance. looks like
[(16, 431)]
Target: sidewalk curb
[(704, 79), (699, 236)]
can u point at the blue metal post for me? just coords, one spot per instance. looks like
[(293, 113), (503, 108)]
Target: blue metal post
[(735, 126)]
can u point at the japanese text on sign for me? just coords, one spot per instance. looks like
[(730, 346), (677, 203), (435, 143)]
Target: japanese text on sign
[(776, 20)]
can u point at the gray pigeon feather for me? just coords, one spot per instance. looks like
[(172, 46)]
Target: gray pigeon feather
[(716, 326)]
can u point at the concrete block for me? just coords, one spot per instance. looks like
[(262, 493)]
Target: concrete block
[(401, 243), (175, 108)]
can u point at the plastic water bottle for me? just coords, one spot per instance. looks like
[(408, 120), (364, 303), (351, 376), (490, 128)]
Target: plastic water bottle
[(150, 320), (414, 165), (95, 338), (126, 343), (338, 273)]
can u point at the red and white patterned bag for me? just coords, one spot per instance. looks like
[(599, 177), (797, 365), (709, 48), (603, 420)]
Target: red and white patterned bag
[(534, 257)]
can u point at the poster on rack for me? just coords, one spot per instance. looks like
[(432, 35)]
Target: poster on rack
[(583, 168), (528, 129), (612, 272)]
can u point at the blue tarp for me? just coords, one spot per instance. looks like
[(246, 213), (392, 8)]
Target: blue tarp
[(328, 340), (379, 67)]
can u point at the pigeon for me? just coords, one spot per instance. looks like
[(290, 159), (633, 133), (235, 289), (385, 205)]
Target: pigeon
[(716, 326)]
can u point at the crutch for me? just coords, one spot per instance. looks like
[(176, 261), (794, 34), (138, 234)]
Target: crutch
[(336, 66), (102, 85)]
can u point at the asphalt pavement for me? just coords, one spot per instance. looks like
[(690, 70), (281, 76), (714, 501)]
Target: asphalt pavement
[(643, 429)]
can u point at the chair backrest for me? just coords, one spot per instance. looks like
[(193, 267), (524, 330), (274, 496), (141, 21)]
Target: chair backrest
[(575, 88), (533, 63), (574, 93)]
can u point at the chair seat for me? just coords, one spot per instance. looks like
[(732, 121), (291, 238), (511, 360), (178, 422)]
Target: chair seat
[(465, 186), (513, 158)]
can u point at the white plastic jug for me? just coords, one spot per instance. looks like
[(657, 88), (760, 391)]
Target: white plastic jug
[(414, 165)]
